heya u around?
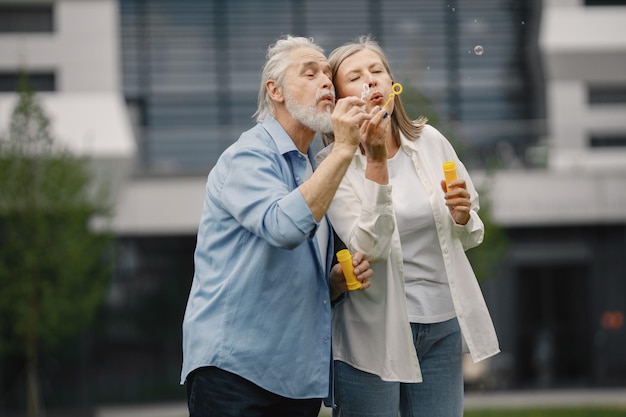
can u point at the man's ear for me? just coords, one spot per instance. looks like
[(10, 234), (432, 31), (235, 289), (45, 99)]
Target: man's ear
[(275, 91)]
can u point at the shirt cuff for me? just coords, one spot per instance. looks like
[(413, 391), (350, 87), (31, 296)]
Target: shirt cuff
[(468, 228), (295, 207)]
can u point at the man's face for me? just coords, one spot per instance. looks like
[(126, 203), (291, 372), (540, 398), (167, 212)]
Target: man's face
[(309, 93)]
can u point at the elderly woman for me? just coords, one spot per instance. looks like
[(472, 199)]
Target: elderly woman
[(398, 346)]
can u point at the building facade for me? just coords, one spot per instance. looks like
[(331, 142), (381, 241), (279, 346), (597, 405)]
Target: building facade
[(162, 87)]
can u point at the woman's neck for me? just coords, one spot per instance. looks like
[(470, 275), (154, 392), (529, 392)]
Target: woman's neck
[(393, 144)]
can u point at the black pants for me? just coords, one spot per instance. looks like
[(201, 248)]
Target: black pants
[(213, 392)]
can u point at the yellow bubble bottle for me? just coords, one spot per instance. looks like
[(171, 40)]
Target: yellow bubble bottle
[(449, 172), (345, 259)]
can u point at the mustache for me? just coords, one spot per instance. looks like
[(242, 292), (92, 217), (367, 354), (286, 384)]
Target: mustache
[(323, 93)]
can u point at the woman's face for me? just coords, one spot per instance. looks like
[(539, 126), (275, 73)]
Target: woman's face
[(364, 67)]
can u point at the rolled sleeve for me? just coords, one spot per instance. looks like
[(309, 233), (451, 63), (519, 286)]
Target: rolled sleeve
[(295, 207), (255, 184), (377, 197)]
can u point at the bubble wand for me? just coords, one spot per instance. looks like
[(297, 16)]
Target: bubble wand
[(365, 92), (396, 90)]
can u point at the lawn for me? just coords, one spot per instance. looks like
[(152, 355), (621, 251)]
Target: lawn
[(549, 412), (539, 412)]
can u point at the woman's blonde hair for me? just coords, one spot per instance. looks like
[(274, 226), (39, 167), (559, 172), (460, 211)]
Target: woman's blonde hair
[(400, 121)]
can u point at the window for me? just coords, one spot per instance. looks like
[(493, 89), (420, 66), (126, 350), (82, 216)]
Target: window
[(607, 94), (607, 141), (605, 2), (25, 18), (38, 81), (196, 65)]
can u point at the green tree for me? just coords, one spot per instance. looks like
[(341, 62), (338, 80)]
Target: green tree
[(54, 268), (486, 257)]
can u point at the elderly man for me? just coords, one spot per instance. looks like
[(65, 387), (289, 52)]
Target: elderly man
[(257, 328)]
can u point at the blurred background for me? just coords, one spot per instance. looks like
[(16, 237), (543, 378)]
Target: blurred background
[(532, 93)]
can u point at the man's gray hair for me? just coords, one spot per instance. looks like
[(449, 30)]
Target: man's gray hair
[(275, 67)]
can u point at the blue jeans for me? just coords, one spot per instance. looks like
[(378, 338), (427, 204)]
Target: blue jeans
[(213, 392), (361, 394)]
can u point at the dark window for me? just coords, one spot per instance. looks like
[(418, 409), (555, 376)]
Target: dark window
[(552, 340), (196, 66), (607, 94), (25, 18), (605, 2), (608, 141), (38, 81)]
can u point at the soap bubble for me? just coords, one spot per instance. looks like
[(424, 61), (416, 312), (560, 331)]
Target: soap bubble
[(478, 50)]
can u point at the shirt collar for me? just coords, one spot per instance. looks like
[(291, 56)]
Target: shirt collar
[(407, 145), (283, 141)]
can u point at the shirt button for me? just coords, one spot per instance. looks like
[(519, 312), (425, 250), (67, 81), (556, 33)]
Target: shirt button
[(297, 178), (445, 250), (324, 301), (325, 337)]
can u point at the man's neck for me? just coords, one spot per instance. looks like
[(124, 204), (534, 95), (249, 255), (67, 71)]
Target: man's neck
[(301, 135)]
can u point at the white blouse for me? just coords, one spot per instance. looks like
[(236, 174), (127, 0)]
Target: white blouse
[(425, 280), (371, 329)]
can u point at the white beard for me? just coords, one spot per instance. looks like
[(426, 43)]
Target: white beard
[(308, 115)]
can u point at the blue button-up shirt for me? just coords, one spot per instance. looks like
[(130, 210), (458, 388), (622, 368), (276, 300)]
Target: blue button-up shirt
[(259, 304)]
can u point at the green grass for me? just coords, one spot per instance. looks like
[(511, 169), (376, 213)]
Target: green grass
[(539, 412), (548, 412)]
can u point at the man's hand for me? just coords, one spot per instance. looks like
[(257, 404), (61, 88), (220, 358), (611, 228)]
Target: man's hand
[(347, 118)]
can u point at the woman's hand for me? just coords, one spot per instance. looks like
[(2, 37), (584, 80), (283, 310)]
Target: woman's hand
[(373, 133), (362, 271), (458, 200)]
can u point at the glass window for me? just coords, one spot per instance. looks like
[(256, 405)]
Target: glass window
[(24, 18), (38, 81), (605, 2), (607, 94), (608, 141)]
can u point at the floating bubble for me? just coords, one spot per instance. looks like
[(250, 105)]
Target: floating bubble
[(478, 50)]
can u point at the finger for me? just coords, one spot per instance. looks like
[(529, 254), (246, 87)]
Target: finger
[(456, 193), (350, 101), (363, 271), (364, 127), (366, 275), (377, 124), (458, 201), (357, 258), (378, 115), (458, 183), (362, 268)]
